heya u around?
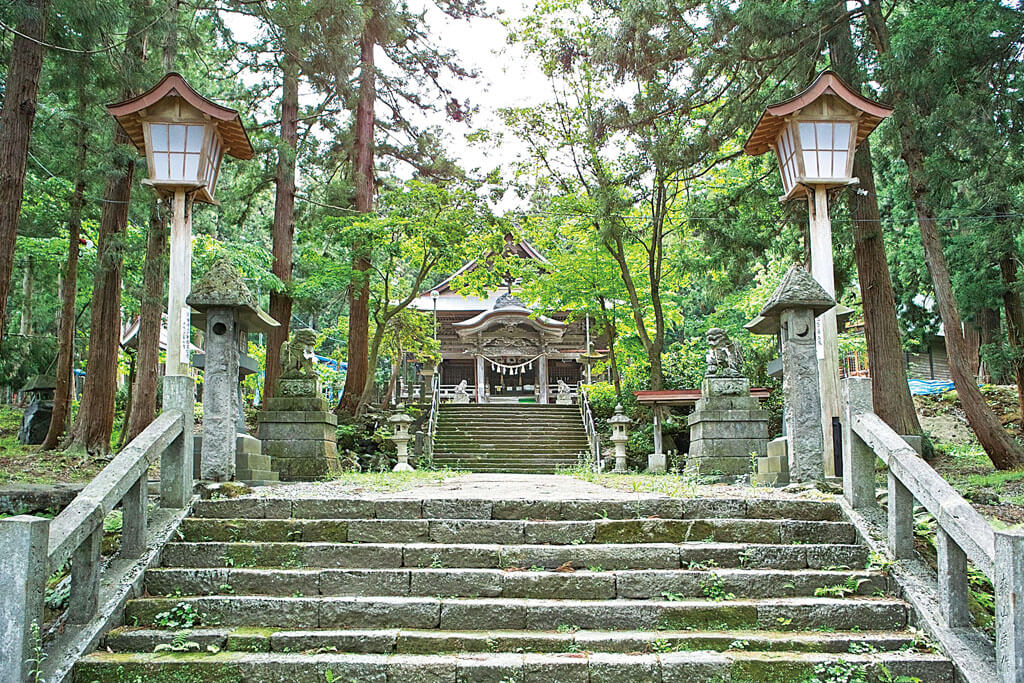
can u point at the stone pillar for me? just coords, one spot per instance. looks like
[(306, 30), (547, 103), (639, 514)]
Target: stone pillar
[(657, 463), (619, 422), (481, 385), (803, 400), (542, 378), (220, 395), (23, 572), (1009, 585), (428, 371)]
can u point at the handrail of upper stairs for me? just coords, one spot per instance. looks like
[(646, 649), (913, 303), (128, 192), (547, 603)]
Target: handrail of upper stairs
[(593, 438), (435, 403), (962, 533)]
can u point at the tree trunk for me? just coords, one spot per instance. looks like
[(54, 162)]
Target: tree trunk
[(21, 89), (1014, 324), (25, 322), (890, 391), (95, 421), (396, 367), (1002, 449), (284, 220), (130, 406), (147, 358), (972, 338), (66, 332), (359, 291), (991, 333), (889, 388)]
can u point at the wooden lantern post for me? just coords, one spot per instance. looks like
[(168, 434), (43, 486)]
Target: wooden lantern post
[(184, 137), (814, 136)]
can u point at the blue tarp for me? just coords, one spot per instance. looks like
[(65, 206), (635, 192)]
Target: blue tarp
[(923, 386)]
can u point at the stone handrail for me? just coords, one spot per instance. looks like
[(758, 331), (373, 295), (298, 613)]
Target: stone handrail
[(35, 547), (588, 424), (962, 533)]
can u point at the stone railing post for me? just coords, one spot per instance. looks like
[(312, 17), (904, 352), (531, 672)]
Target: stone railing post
[(176, 462), (1009, 585), (901, 519), (858, 458), (23, 571), (952, 573)]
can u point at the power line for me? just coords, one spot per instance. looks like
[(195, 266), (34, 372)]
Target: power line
[(76, 51)]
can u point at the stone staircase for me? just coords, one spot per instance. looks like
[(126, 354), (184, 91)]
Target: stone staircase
[(409, 590), (526, 438)]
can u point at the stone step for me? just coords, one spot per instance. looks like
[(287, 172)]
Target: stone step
[(505, 469), (473, 583), (672, 667), (779, 614), (522, 509), (516, 532), (417, 641), (614, 556)]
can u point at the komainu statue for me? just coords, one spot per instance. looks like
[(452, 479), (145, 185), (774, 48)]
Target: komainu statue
[(297, 354), (724, 356)]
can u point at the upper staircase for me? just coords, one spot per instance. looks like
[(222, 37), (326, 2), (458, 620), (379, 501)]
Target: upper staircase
[(527, 438)]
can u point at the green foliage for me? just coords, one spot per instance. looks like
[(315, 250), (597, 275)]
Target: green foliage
[(183, 616)]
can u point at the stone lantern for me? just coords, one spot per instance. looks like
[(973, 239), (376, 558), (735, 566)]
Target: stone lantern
[(400, 423), (619, 422), (814, 136), (184, 137), (230, 312), (790, 313)]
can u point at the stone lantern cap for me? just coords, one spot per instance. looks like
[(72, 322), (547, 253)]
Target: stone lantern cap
[(400, 418), (797, 290), (40, 383), (619, 417), (223, 287)]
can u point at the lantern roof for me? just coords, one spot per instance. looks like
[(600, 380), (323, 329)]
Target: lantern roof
[(773, 118), (798, 289), (130, 112)]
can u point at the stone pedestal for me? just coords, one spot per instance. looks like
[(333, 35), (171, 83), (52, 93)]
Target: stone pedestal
[(657, 463), (298, 431), (726, 428)]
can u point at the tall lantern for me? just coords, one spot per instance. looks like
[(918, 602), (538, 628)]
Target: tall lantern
[(814, 136), (184, 137)]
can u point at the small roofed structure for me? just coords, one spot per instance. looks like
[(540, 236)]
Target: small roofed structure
[(814, 133), (223, 287), (797, 290), (183, 136)]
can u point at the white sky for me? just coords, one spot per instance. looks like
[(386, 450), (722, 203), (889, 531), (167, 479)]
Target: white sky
[(507, 78)]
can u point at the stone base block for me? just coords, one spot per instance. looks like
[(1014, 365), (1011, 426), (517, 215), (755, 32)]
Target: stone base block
[(247, 444), (704, 429), (657, 463), (284, 431), (297, 387), (727, 403), (773, 469), (725, 386), (713, 466), (307, 468), (300, 448), (299, 404), (728, 448)]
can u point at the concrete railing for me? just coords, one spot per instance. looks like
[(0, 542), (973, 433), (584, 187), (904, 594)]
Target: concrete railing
[(32, 548), (962, 533)]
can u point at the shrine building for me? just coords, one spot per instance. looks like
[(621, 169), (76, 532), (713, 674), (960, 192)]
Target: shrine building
[(498, 346)]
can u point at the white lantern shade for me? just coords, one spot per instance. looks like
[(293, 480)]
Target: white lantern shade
[(816, 152), (184, 154)]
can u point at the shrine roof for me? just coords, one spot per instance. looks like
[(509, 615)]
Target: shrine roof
[(685, 397)]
